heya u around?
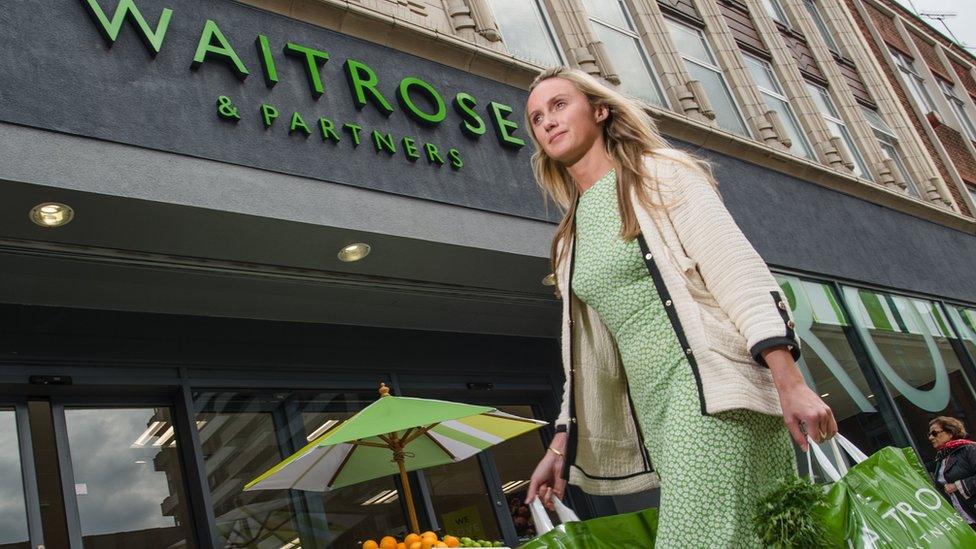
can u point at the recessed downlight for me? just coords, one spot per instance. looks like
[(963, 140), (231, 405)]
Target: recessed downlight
[(354, 252), (51, 214), (549, 280)]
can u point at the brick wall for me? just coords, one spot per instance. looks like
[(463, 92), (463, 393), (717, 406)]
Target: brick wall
[(965, 76), (931, 58), (886, 27), (955, 145), (903, 98)]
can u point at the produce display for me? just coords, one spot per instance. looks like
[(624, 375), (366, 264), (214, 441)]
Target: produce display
[(427, 540)]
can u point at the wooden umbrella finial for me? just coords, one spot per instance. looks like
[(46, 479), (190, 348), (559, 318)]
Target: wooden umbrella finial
[(384, 390)]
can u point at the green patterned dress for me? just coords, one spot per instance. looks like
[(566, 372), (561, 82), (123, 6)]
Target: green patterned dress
[(713, 468)]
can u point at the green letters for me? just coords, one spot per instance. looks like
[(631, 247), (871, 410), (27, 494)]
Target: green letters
[(267, 62), (383, 142), (362, 79), (312, 58), (410, 149), (298, 123), (354, 131), (432, 154), (110, 29), (456, 161), (328, 130), (503, 127), (471, 123), (403, 95), (268, 114), (222, 49)]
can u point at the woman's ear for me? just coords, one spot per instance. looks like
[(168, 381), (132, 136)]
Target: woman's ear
[(602, 113)]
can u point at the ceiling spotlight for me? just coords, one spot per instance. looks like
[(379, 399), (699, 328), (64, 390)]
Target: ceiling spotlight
[(51, 214), (354, 252), (549, 280)]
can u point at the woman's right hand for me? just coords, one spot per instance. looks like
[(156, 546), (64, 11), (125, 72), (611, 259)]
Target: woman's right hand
[(547, 478)]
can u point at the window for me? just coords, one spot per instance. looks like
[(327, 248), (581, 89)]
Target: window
[(837, 128), (13, 512), (916, 84), (775, 10), (821, 25), (910, 344), (958, 107), (700, 64), (888, 142), (964, 320), (831, 368), (773, 95), (613, 24), (526, 31)]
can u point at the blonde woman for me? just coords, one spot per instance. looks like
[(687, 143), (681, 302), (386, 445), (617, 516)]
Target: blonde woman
[(678, 346)]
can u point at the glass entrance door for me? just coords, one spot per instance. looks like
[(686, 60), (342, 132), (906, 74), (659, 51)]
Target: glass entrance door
[(103, 477), (14, 530)]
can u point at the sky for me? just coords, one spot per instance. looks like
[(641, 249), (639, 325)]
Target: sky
[(963, 24)]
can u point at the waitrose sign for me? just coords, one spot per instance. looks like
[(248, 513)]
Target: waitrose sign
[(225, 81), (420, 100)]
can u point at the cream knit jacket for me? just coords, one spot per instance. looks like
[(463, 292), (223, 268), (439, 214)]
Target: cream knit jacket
[(728, 306)]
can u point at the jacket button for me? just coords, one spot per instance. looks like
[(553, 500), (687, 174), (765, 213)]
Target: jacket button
[(791, 324), (572, 323), (573, 419), (781, 305), (688, 351), (647, 256), (667, 303)]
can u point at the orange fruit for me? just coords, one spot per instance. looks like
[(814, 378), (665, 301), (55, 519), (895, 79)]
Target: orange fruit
[(370, 544), (414, 545), (427, 542), (452, 541), (410, 539), (440, 544), (388, 542), (401, 545), (428, 534)]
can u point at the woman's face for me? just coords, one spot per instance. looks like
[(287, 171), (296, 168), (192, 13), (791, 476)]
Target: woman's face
[(938, 436), (563, 121)]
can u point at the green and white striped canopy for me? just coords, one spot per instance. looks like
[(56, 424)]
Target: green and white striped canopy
[(358, 449)]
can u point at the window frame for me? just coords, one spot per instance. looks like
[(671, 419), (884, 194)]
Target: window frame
[(711, 66), (641, 48), (889, 143), (776, 12), (835, 117), (548, 26), (780, 95), (958, 108), (813, 10), (916, 84)]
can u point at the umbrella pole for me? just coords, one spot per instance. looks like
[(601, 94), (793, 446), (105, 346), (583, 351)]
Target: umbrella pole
[(398, 456)]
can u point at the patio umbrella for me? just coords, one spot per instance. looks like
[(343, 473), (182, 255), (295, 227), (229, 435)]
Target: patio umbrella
[(392, 436)]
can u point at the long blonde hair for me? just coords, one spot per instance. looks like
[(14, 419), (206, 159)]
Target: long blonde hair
[(629, 134)]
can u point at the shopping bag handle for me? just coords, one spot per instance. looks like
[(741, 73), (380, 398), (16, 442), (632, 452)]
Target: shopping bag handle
[(541, 518), (828, 468)]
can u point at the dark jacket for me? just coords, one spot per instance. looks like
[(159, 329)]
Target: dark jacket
[(960, 465)]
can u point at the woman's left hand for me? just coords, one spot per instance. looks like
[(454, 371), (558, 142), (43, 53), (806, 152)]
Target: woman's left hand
[(949, 488), (804, 412)]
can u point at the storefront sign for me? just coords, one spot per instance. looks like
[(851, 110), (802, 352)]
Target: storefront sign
[(232, 83)]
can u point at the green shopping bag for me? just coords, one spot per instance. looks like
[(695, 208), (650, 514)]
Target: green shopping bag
[(631, 530), (887, 500)]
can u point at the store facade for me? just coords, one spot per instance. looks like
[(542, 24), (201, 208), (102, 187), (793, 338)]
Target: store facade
[(192, 324)]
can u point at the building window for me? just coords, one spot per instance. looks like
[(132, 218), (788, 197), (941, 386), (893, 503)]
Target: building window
[(526, 31), (821, 25), (776, 11), (837, 128), (916, 84), (909, 342), (958, 107), (830, 366), (888, 142), (972, 192), (702, 67), (777, 101), (615, 28), (13, 525)]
